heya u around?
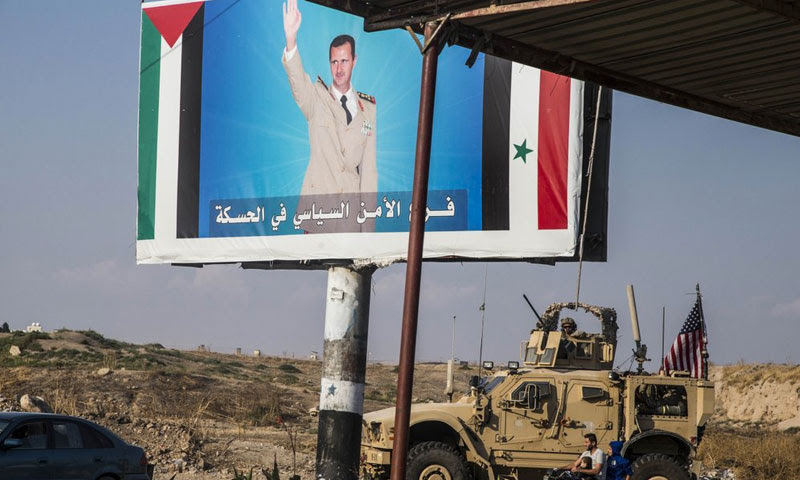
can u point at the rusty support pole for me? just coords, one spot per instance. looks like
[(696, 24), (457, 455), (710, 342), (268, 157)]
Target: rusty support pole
[(408, 339)]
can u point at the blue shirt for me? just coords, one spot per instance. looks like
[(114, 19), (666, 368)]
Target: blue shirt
[(618, 468)]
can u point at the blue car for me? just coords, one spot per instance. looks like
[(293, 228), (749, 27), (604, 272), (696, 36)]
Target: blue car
[(39, 446)]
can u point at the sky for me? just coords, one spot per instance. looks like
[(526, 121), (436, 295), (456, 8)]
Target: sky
[(693, 199)]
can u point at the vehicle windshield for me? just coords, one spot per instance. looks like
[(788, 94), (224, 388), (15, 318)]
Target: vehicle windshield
[(3, 425), (489, 383)]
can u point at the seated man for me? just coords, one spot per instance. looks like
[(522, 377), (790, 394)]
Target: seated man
[(598, 460)]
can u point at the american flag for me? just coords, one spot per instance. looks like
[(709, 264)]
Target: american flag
[(686, 354)]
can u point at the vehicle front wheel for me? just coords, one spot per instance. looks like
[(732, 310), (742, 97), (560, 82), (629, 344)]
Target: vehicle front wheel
[(436, 461), (655, 466)]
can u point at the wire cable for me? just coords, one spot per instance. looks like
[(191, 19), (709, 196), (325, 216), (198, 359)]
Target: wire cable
[(588, 193)]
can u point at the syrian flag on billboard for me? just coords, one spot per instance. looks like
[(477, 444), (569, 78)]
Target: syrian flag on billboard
[(537, 133), (686, 353)]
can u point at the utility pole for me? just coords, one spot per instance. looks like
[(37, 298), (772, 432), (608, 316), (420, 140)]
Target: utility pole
[(483, 317), (451, 365), (663, 324), (344, 365), (453, 343)]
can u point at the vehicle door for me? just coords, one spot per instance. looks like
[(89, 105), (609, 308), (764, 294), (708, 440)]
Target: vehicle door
[(589, 408), (103, 453), (70, 460), (81, 452), (527, 410), (28, 458)]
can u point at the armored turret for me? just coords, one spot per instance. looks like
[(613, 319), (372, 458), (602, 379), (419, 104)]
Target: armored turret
[(571, 349)]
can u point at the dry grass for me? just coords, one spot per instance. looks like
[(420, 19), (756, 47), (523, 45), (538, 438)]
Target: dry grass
[(110, 360), (259, 406), (757, 455), (750, 374), (12, 378), (64, 397)]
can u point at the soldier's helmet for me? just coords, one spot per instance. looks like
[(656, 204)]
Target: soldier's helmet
[(568, 325)]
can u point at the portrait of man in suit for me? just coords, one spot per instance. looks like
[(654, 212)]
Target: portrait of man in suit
[(341, 121)]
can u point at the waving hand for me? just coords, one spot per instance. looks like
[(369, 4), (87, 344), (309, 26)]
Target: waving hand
[(291, 23)]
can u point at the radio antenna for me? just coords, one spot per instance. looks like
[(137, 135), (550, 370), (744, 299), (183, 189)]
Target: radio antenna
[(483, 316)]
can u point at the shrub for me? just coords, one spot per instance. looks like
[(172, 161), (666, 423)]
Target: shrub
[(25, 341), (289, 368), (288, 379), (237, 475), (105, 342)]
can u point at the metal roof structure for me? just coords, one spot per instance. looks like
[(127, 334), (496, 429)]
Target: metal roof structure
[(737, 59)]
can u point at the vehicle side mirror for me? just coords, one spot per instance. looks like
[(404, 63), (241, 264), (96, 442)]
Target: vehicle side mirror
[(10, 443)]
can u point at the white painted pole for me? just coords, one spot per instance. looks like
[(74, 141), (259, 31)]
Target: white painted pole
[(344, 364)]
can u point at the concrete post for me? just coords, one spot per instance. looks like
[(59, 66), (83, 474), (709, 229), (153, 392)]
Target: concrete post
[(344, 365)]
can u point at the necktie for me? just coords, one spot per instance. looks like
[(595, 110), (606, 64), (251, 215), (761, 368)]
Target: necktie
[(344, 105)]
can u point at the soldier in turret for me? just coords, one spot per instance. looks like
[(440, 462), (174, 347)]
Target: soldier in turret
[(568, 326)]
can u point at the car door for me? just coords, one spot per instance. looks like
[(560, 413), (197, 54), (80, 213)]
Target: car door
[(589, 409), (527, 414), (105, 457), (69, 459), (30, 460)]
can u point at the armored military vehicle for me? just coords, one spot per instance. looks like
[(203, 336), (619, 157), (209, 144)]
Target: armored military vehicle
[(518, 423)]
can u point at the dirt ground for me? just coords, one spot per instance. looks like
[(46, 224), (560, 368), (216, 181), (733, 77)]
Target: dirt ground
[(199, 414)]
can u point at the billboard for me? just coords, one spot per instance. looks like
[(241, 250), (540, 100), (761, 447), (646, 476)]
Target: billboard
[(255, 150)]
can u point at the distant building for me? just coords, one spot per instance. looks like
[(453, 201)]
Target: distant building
[(256, 353), (34, 327), (313, 356), (238, 351)]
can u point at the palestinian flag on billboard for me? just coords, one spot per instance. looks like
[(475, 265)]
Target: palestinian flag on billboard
[(169, 117)]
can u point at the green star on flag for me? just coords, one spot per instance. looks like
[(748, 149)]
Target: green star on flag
[(522, 151)]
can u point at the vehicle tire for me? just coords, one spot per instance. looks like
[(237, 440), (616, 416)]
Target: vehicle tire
[(656, 466), (436, 461)]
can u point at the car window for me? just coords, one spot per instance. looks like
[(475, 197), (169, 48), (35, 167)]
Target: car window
[(32, 434), (66, 435), (92, 438)]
